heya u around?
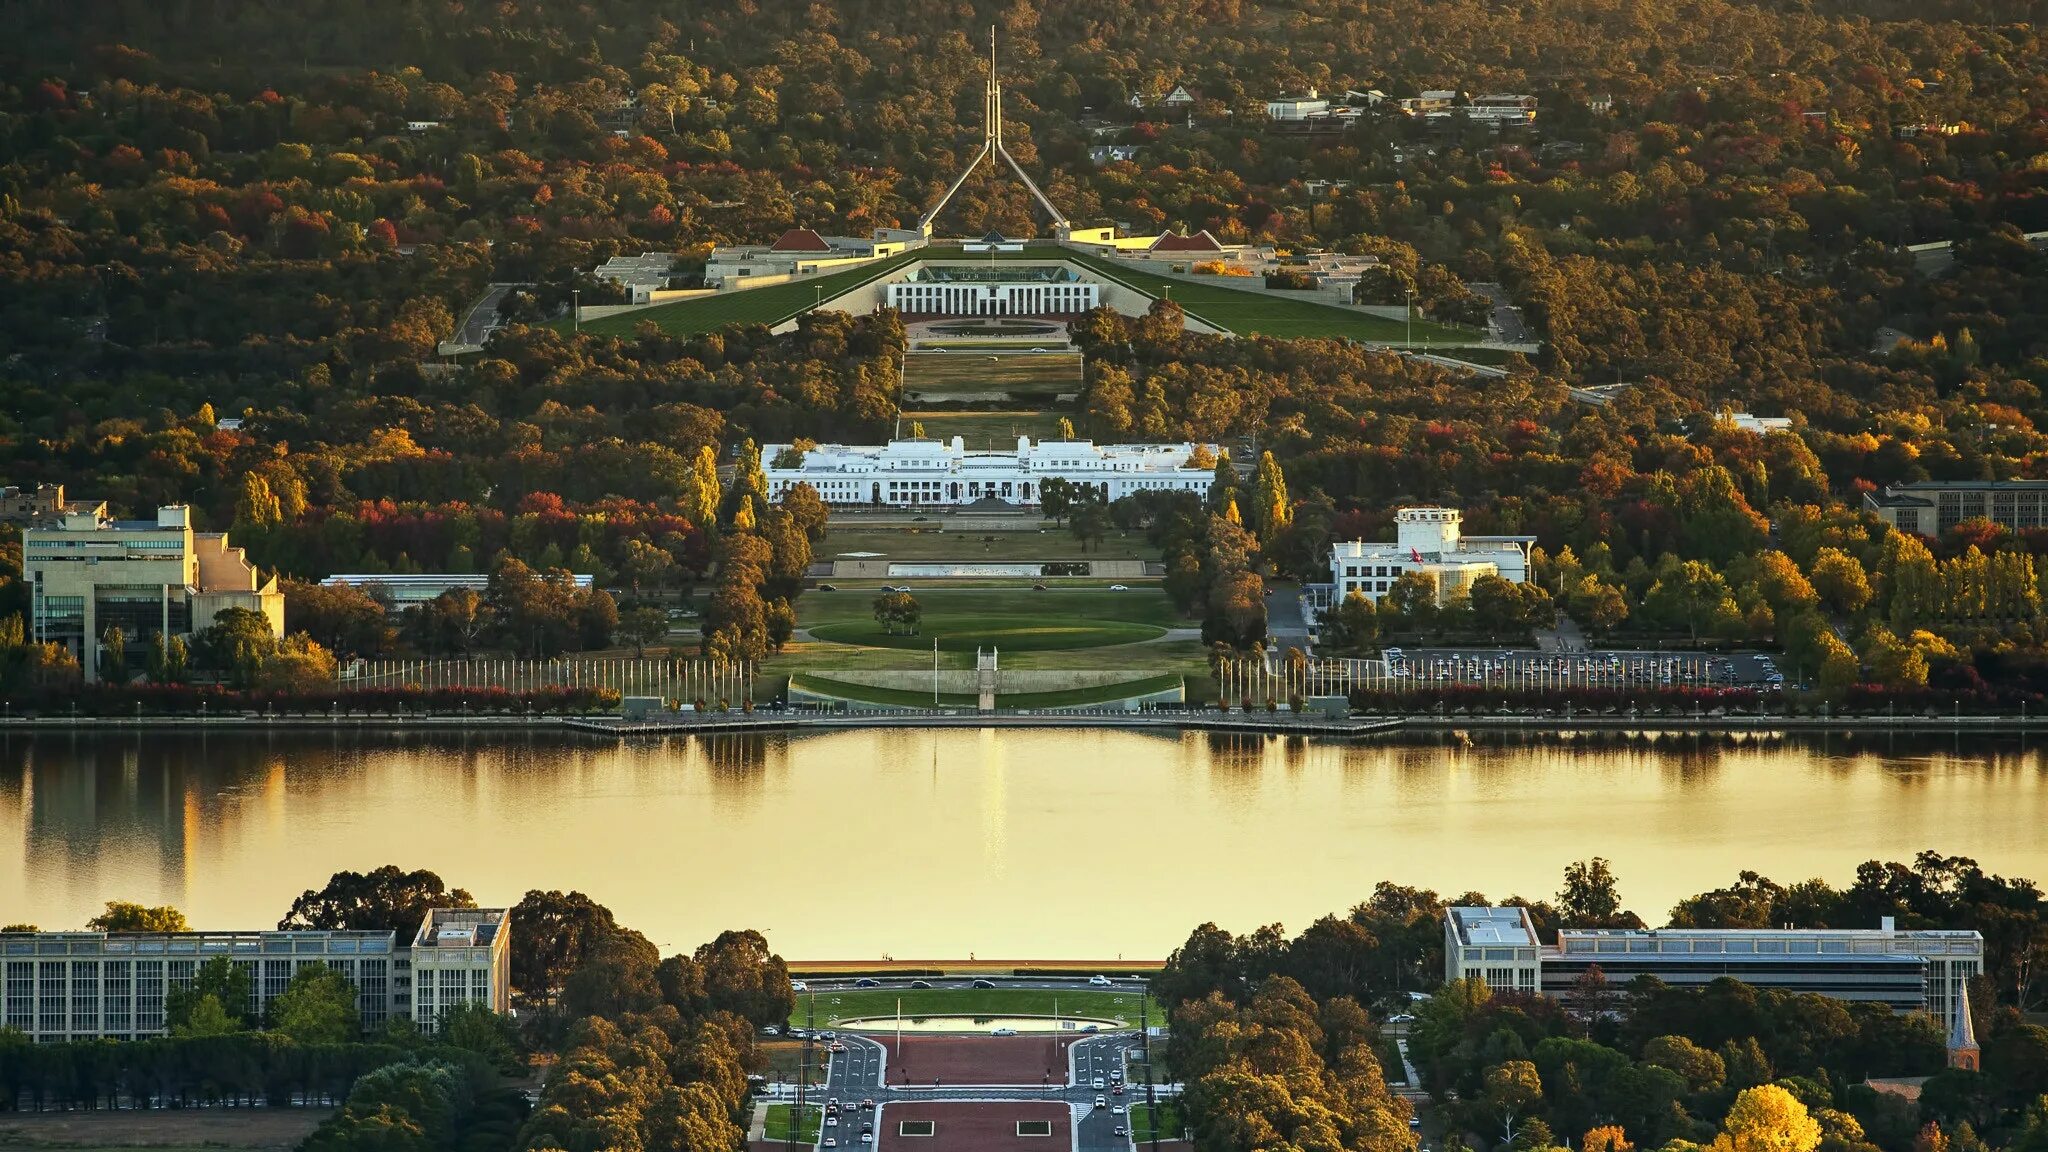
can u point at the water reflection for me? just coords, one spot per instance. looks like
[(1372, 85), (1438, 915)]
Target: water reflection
[(1013, 843)]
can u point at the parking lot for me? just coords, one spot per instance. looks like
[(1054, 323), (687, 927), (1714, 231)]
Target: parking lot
[(1527, 668)]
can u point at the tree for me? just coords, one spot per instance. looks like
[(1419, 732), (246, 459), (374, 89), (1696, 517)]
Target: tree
[(552, 932), (743, 976), (236, 644), (1091, 522), (1056, 498), (1702, 1070), (1591, 896), (1767, 1118), (1840, 580), (342, 617), (1512, 1088), (299, 664), (803, 502), (114, 656), (643, 625), (1271, 510), (1598, 605), (385, 900), (216, 1001), (701, 492), (122, 916), (317, 1007), (474, 1026), (895, 610), (616, 976)]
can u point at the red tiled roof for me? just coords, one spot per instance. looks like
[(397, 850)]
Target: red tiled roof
[(1182, 242), (800, 240)]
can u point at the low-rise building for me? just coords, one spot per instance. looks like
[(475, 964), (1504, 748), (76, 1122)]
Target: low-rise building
[(802, 252), (1432, 541), (1297, 107), (57, 986), (30, 505), (1432, 101), (399, 591), (1501, 108), (934, 472), (1932, 507), (641, 276), (1907, 970), (88, 572)]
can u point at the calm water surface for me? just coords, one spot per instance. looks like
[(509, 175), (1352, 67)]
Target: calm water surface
[(1012, 844)]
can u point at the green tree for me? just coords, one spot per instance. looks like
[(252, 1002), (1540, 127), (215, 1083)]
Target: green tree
[(1591, 896), (893, 610), (122, 916), (114, 656), (1512, 1089), (1840, 581), (317, 1007), (643, 625), (384, 900), (236, 644), (216, 1001), (1271, 509)]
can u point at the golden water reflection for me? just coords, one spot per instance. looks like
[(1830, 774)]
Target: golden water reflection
[(1020, 844)]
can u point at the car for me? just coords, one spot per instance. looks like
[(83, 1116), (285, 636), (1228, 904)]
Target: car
[(868, 981), (832, 1106), (1116, 1089), (827, 588), (828, 1034), (772, 1030), (836, 1046), (1098, 1084), (1120, 1130), (983, 984), (1103, 981), (1113, 588), (920, 983), (799, 986), (831, 1121), (1102, 1102), (831, 1141), (1116, 1109), (867, 1105), (1092, 1028), (1402, 1018), (1040, 588), (867, 1137), (1414, 1124), (1002, 1032)]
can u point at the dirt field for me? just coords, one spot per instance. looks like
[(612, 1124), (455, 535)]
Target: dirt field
[(254, 1128), (976, 1059), (975, 1127)]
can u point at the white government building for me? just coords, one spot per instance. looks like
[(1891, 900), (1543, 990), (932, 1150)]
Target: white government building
[(1427, 540), (57, 986), (994, 290), (922, 472)]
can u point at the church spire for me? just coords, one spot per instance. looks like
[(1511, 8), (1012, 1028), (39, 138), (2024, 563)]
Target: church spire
[(1962, 1033)]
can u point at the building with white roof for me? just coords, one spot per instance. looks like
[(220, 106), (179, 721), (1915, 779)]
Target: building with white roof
[(403, 590), (641, 276), (1427, 540), (904, 473), (1908, 970)]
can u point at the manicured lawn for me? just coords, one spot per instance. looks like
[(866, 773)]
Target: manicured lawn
[(1138, 606), (954, 633), (987, 429), (1168, 1121), (1246, 313), (936, 375), (905, 698), (771, 305), (934, 542), (778, 1122), (834, 1007)]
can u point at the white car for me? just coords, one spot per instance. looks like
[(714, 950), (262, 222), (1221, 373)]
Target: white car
[(1103, 981), (799, 986), (1102, 1102), (1116, 1109), (1098, 1085), (1003, 1032), (1402, 1018), (1114, 588)]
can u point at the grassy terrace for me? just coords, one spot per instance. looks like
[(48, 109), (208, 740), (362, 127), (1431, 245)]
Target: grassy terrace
[(983, 429), (833, 1008), (1068, 698), (1166, 1118), (770, 306), (938, 540), (782, 1117)]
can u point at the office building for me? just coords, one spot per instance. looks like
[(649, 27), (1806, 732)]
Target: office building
[(399, 591), (31, 505), (57, 986), (928, 472), (1432, 541), (88, 572), (1932, 507), (1907, 970)]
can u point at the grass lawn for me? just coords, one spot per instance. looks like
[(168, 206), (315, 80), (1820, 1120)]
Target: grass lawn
[(161, 1129), (1167, 1121), (965, 633), (1041, 541), (1069, 698), (781, 1117), (1062, 605), (936, 375), (988, 429), (832, 1008), (1253, 312), (771, 305)]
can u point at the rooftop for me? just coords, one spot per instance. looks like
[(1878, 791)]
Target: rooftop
[(800, 240), (460, 927), (1506, 927)]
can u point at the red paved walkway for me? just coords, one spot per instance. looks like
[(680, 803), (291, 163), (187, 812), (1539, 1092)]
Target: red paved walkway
[(976, 1059), (988, 1127)]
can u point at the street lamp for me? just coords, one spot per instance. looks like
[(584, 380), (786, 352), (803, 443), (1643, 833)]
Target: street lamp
[(576, 310)]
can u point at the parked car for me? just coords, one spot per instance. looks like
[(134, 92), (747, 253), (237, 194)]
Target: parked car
[(1103, 981), (772, 1030)]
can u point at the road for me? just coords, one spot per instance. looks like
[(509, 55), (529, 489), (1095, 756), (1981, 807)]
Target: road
[(1505, 320), (859, 1073)]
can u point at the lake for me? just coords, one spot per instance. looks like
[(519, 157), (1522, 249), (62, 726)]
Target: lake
[(1010, 844)]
